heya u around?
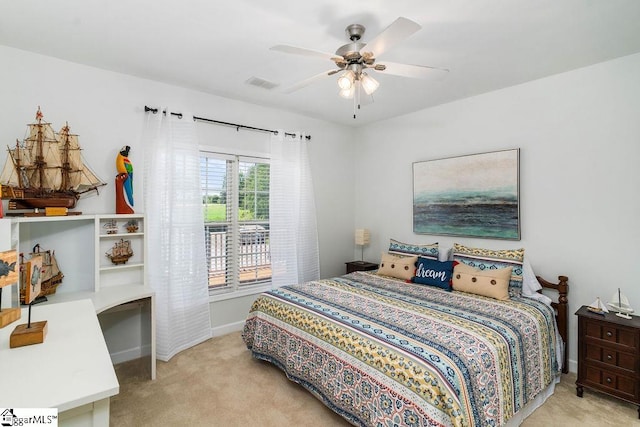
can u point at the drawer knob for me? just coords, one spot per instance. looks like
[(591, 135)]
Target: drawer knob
[(609, 357), (608, 380), (609, 334)]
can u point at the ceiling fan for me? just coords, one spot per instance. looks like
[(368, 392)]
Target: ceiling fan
[(354, 59)]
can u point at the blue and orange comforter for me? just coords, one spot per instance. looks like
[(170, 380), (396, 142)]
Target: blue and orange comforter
[(380, 352)]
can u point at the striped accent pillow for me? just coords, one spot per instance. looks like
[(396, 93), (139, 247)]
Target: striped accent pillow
[(489, 259), (407, 249)]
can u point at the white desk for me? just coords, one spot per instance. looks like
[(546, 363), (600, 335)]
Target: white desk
[(71, 370), (118, 297)]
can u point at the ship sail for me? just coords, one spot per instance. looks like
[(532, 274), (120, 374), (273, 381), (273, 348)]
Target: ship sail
[(14, 173), (42, 145), (46, 169), (76, 176)]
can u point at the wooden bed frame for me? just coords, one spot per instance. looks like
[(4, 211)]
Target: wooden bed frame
[(561, 308)]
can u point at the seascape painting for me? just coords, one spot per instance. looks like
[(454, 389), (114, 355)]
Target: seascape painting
[(472, 196)]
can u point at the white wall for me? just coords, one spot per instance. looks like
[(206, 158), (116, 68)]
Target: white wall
[(579, 135), (106, 110)]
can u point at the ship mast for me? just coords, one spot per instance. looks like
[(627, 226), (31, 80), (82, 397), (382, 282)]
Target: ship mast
[(66, 165), (17, 164), (39, 161)]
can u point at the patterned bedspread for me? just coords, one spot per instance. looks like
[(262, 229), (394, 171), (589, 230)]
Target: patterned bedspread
[(381, 352)]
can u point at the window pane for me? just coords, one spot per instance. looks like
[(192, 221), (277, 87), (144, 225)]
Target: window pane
[(253, 211), (214, 179), (253, 198), (235, 197)]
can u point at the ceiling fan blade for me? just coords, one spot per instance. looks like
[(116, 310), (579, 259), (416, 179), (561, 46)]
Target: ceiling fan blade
[(306, 52), (413, 71), (399, 30), (310, 80)]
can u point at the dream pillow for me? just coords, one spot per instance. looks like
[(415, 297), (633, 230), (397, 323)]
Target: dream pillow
[(434, 273), (399, 267), (489, 283), (410, 249)]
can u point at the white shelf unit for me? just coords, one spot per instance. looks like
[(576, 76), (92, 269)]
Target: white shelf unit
[(132, 273), (80, 243)]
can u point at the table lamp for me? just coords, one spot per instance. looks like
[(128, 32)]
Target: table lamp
[(362, 239)]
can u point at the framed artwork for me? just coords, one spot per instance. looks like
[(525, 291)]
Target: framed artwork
[(473, 196), (8, 268), (33, 278)]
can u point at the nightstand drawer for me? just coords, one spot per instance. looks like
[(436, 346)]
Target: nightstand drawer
[(620, 385), (615, 334), (611, 357)]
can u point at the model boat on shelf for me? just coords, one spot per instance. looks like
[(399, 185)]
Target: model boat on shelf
[(120, 252), (111, 226), (132, 226), (46, 170)]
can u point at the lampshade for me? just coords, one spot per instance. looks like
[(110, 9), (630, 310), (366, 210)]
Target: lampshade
[(345, 81), (369, 84), (362, 236), (348, 93)]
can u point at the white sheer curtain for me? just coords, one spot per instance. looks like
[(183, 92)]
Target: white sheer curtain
[(176, 259), (292, 213)]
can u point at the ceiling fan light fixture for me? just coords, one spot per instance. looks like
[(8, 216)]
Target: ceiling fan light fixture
[(345, 81), (348, 93), (369, 84)]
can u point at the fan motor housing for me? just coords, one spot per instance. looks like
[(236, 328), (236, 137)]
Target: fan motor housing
[(351, 51)]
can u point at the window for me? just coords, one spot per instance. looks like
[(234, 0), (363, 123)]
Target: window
[(235, 199)]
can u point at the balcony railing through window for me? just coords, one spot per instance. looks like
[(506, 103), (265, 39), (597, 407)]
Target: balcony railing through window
[(253, 255)]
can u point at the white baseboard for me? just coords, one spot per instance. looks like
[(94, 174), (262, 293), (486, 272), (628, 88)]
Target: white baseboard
[(573, 366), (138, 352), (227, 329), (130, 354)]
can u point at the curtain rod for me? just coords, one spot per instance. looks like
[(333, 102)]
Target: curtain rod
[(218, 122)]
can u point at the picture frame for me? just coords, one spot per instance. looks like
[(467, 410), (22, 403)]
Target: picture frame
[(476, 195), (33, 278), (8, 268)]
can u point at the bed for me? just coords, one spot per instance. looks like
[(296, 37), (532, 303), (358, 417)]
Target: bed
[(380, 351)]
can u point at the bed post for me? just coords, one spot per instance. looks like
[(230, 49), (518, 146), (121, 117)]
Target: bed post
[(561, 307)]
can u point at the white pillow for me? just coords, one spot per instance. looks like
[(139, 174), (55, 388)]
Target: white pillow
[(445, 254), (530, 285)]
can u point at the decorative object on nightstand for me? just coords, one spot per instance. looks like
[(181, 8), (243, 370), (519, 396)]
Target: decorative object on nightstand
[(597, 307), (609, 355), (360, 266), (8, 277), (363, 238), (620, 304)]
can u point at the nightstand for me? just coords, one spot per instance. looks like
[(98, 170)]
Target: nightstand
[(609, 355), (360, 266)]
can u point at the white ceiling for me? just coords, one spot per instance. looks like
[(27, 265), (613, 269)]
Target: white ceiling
[(215, 46)]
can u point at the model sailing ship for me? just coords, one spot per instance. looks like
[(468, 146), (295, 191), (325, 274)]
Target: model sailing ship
[(46, 170), (50, 271), (120, 252), (111, 226)]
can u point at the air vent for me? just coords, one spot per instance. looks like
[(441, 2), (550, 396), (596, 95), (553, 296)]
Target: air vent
[(265, 84)]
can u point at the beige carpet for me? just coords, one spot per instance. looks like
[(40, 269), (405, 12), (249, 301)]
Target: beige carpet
[(218, 383)]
